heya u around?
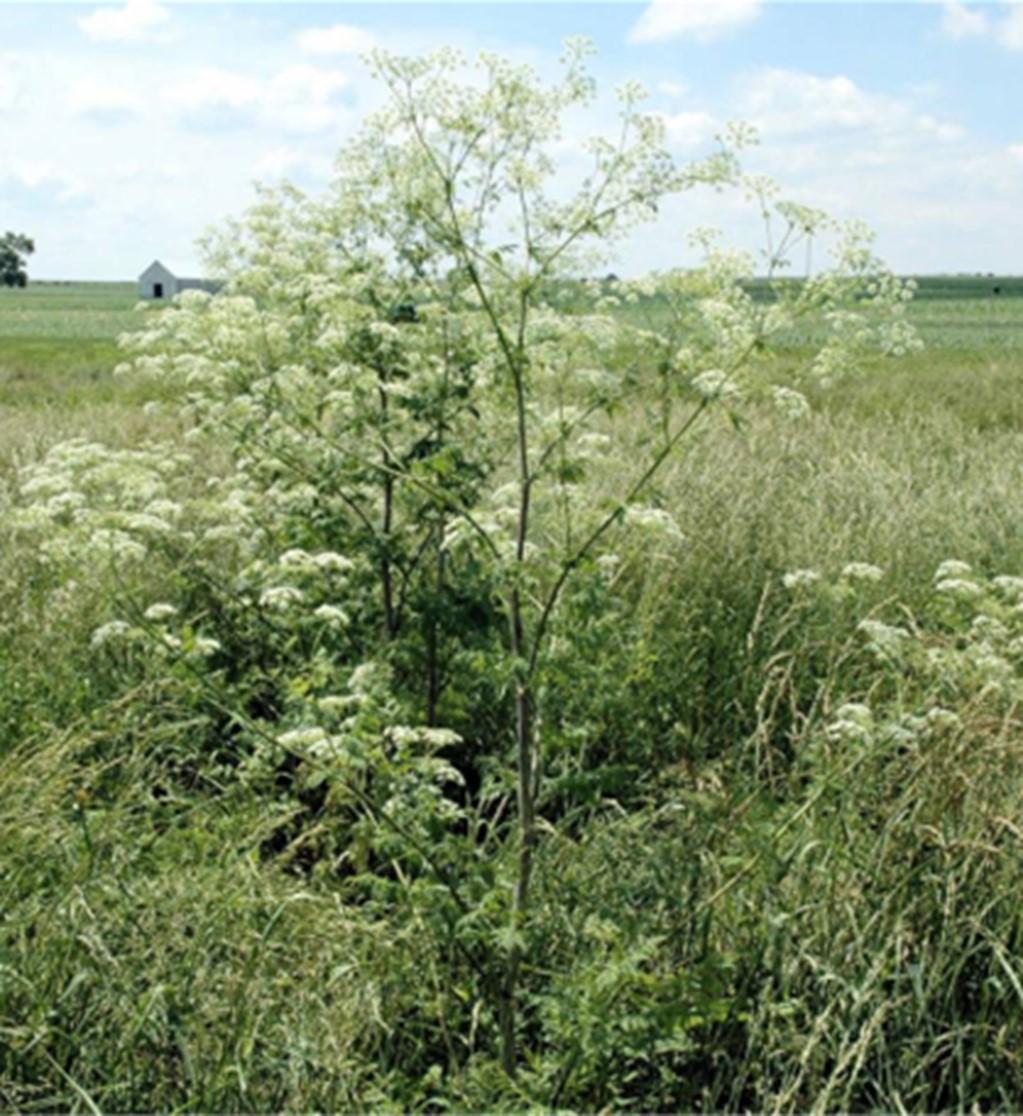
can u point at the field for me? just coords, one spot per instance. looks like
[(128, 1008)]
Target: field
[(58, 348), (782, 849)]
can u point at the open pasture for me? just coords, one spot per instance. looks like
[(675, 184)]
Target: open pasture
[(58, 349)]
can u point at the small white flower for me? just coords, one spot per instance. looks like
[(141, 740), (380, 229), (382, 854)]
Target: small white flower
[(113, 631), (715, 385), (609, 565), (162, 611), (142, 521), (886, 640), (364, 678), (654, 519), (960, 588), (862, 571), (951, 568), (295, 559), (313, 740), (331, 615), (800, 579), (1010, 587), (281, 597), (440, 737), (337, 705), (853, 721), (792, 404), (306, 737), (329, 560), (989, 629)]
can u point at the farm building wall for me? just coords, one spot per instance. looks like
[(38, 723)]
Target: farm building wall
[(157, 282), (210, 285)]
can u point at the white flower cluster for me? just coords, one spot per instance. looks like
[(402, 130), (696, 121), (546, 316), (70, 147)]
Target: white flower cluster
[(153, 636), (862, 571), (956, 580), (981, 658), (800, 579), (715, 386), (887, 641), (655, 520), (853, 722), (792, 404), (87, 502)]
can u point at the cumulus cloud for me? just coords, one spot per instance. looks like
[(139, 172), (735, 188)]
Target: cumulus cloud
[(9, 90), (101, 101), (215, 88), (672, 88), (1010, 31), (40, 185), (789, 101), (12, 80), (293, 163), (297, 99), (341, 38), (704, 20), (946, 131), (935, 193), (305, 98), (793, 103), (961, 22), (138, 21), (687, 130), (212, 98)]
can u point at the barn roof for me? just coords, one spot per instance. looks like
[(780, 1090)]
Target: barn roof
[(176, 268)]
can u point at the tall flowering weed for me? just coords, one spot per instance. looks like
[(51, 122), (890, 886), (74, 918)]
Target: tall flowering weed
[(417, 426)]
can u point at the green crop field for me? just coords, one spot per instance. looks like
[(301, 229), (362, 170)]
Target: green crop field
[(58, 350), (779, 849)]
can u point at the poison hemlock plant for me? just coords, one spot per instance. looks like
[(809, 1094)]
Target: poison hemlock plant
[(416, 385)]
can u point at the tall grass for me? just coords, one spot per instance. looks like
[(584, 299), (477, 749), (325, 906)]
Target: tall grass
[(747, 910)]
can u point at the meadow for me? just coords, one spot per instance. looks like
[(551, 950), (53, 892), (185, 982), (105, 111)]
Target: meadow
[(782, 845)]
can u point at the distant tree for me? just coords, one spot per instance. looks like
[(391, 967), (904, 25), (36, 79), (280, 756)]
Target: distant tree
[(14, 247)]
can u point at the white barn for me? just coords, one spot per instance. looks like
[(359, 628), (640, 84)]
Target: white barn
[(159, 281)]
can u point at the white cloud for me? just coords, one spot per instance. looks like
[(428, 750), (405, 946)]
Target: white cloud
[(10, 87), (137, 22), (215, 89), (938, 196), (304, 98), (299, 99), (1010, 31), (33, 185), (960, 22), (11, 83), (788, 101), (342, 38), (689, 129), (101, 101), (672, 88), (784, 103), (290, 162), (704, 20), (946, 131)]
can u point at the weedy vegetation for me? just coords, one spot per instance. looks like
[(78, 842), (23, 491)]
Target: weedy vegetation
[(432, 679)]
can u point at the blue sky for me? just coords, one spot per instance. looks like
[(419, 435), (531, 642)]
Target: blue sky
[(126, 129)]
